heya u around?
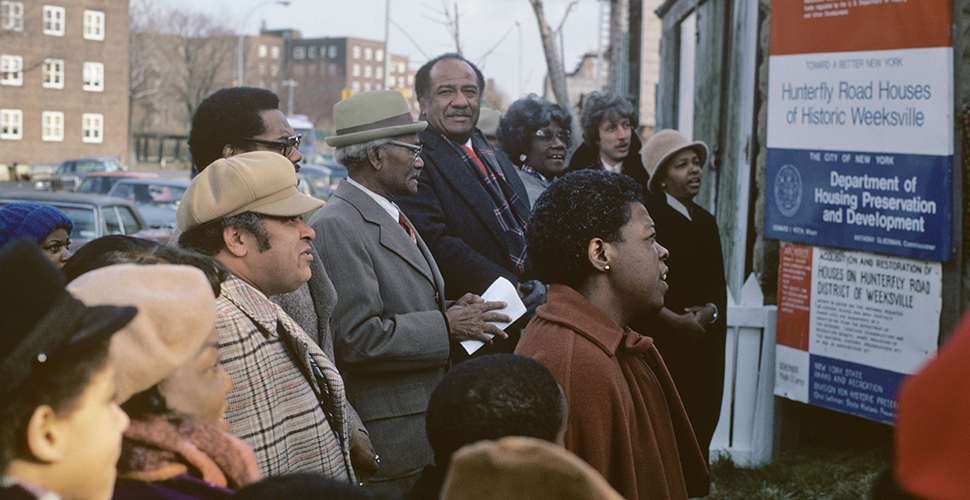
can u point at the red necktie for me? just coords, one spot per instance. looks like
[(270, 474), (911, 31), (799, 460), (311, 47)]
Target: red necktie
[(475, 157), (407, 227)]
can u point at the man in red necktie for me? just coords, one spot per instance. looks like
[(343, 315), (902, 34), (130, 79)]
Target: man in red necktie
[(392, 331)]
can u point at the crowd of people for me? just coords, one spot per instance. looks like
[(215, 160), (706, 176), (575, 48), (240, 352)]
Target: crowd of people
[(265, 353)]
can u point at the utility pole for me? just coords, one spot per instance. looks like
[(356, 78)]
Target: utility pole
[(289, 100)]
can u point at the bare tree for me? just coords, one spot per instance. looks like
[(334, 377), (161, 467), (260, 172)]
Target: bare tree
[(557, 75)]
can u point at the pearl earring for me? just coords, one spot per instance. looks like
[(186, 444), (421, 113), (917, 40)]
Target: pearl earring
[(523, 157), (607, 268)]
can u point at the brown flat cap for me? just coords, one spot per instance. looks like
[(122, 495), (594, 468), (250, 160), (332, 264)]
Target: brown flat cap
[(260, 181)]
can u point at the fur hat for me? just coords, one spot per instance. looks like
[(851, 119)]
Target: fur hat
[(259, 181), (176, 312), (370, 116), (42, 323), (522, 467), (32, 220), (663, 146)]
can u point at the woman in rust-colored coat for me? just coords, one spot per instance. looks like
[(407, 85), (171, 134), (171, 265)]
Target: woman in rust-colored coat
[(591, 238)]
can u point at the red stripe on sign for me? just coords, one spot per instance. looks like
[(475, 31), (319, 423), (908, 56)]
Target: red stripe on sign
[(794, 295), (815, 26)]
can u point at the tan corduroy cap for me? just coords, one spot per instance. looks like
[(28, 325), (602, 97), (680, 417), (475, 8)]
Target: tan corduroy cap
[(661, 147), (522, 468), (260, 181), (369, 116), (176, 312)]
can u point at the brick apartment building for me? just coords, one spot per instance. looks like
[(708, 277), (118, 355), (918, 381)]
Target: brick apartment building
[(63, 80)]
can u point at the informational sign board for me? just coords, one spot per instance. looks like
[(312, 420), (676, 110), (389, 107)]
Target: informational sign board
[(860, 125), (852, 325)]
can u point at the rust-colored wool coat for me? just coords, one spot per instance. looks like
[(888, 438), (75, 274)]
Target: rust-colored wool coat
[(625, 417)]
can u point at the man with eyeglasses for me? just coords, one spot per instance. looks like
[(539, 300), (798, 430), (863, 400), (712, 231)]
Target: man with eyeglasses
[(471, 206), (237, 120), (392, 331)]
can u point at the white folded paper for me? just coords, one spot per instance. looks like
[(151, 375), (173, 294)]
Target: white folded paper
[(501, 290)]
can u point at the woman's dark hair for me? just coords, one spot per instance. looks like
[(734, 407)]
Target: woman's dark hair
[(518, 126), (121, 249), (58, 385), (573, 210), (599, 106)]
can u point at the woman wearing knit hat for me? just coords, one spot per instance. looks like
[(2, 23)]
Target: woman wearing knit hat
[(46, 225), (690, 330)]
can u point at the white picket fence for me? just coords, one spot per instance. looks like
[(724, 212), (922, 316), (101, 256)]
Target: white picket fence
[(745, 431)]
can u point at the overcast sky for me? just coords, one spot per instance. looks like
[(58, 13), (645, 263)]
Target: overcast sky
[(482, 24)]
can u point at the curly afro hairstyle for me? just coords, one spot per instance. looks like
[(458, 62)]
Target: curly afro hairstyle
[(600, 106), (524, 117), (573, 210), (492, 397), (224, 118)]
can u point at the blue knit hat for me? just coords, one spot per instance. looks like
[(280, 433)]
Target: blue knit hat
[(32, 220)]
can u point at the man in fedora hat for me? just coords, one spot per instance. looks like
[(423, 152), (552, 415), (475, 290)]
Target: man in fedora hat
[(471, 206), (60, 425), (391, 327), (288, 402)]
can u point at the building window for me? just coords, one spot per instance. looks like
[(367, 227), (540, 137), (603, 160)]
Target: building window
[(332, 52), (400, 82), (311, 69), (274, 70), (367, 86), (93, 77), (53, 126), (323, 52), (53, 74), (53, 20), (355, 87), (355, 70), (262, 69), (11, 70), (299, 52), (333, 69), (367, 72), (311, 52), (368, 53), (93, 25), (11, 16), (274, 52), (410, 80), (379, 55), (355, 52), (379, 72), (11, 124), (261, 50), (92, 127), (400, 67)]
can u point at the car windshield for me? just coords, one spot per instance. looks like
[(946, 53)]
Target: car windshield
[(84, 222)]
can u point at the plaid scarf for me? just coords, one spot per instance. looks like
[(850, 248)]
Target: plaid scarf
[(501, 194)]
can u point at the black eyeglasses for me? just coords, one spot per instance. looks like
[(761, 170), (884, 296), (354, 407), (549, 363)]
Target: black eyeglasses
[(284, 147), (415, 148), (547, 135)]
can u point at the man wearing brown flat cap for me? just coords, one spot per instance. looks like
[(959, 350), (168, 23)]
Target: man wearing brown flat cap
[(392, 330), (288, 400)]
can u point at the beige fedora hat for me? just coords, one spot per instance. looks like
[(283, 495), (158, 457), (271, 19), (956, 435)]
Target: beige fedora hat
[(368, 116), (258, 181), (661, 147)]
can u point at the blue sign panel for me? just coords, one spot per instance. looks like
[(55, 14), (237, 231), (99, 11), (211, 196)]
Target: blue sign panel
[(860, 390), (890, 203)]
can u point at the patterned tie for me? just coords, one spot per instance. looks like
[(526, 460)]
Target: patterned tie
[(407, 227), (475, 157)]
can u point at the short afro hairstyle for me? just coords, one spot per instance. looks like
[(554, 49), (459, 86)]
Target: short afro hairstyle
[(422, 79), (600, 106), (225, 117), (573, 210), (518, 126), (492, 397)]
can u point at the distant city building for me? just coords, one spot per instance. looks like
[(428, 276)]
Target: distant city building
[(63, 80)]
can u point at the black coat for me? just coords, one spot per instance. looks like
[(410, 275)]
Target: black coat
[(695, 278)]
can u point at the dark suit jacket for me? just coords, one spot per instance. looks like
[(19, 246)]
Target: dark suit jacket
[(453, 213), (390, 337)]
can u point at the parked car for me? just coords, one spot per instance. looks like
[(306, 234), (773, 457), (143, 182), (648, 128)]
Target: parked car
[(102, 182), (70, 173), (156, 199), (94, 215), (320, 181)]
